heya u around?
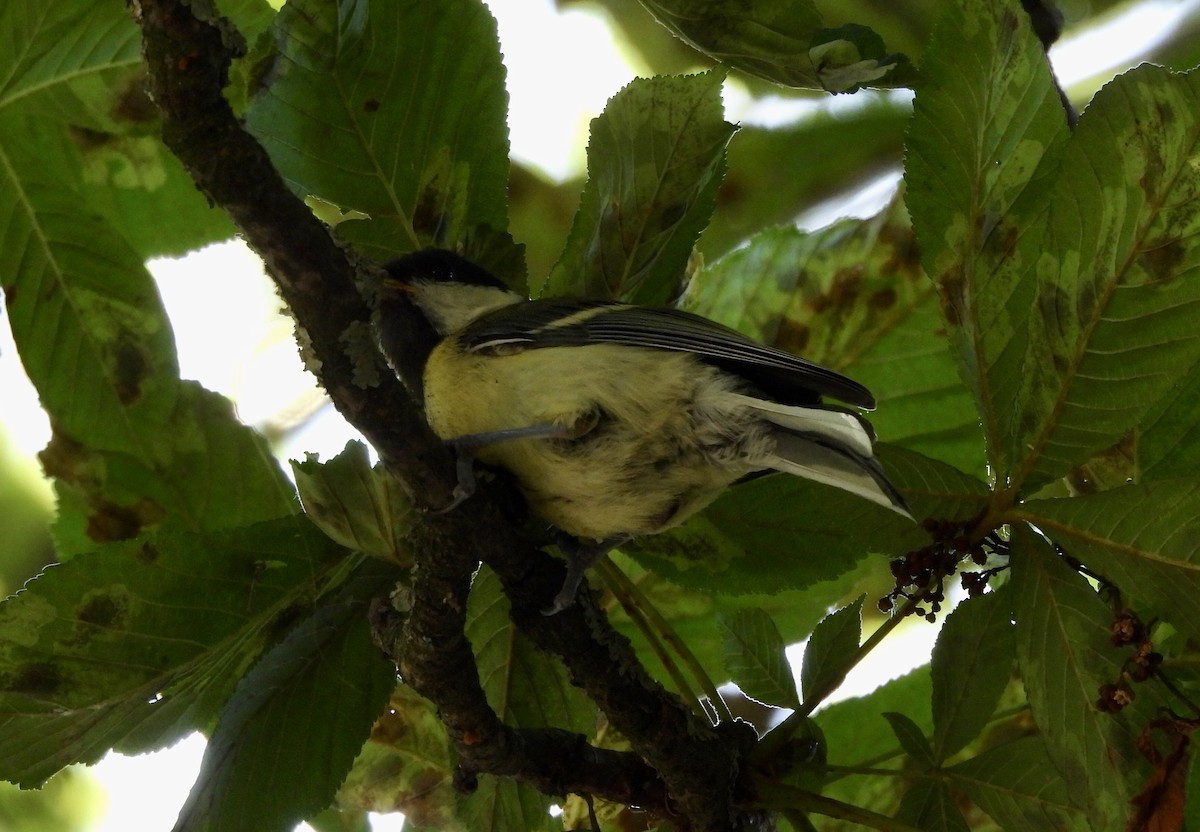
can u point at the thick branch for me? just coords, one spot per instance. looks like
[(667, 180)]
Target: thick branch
[(554, 761)]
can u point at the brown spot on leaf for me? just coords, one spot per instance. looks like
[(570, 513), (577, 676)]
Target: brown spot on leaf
[(671, 216), (428, 216), (817, 303), (35, 679), (1054, 306), (87, 140), (904, 255), (371, 105), (132, 369), (1161, 263), (285, 620), (882, 299), (732, 191), (950, 292), (109, 521), (846, 285), (1002, 239), (66, 459), (103, 609), (147, 553)]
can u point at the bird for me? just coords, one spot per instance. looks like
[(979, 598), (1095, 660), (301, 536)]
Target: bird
[(618, 420)]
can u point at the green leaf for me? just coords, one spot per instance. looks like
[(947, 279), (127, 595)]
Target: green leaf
[(288, 735), (251, 17), (782, 532), (209, 472), (395, 108), (655, 158), (971, 666), (527, 689), (1168, 441), (1118, 274), (755, 658), (828, 294), (132, 445), (856, 734), (829, 650), (911, 738), (336, 820), (360, 507), (986, 125), (77, 66), (135, 645), (68, 60), (1017, 784), (853, 297), (85, 314), (501, 804), (1062, 630), (1144, 538), (157, 209), (929, 806), (524, 686), (767, 39), (855, 730)]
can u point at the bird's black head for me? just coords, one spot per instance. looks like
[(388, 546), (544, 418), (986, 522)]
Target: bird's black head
[(441, 266)]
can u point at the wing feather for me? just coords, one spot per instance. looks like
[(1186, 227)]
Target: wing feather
[(567, 322)]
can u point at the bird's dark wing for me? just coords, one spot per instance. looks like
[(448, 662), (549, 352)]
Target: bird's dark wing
[(566, 322)]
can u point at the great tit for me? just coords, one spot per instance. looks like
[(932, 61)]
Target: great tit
[(620, 420)]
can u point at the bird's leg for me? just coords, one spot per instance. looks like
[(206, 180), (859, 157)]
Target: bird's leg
[(465, 446), (580, 558)]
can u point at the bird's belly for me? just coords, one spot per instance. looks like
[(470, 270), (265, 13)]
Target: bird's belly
[(641, 469), (600, 495)]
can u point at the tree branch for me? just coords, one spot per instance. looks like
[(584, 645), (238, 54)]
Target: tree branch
[(188, 58), (188, 49)]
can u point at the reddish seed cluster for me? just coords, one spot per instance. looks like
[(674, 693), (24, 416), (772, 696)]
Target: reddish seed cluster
[(1128, 630), (920, 575)]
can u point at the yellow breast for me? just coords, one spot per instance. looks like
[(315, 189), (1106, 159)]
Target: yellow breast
[(643, 467)]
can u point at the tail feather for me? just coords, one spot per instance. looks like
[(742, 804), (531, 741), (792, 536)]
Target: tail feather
[(829, 446), (813, 457)]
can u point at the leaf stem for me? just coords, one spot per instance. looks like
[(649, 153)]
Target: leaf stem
[(654, 627), (777, 796)]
